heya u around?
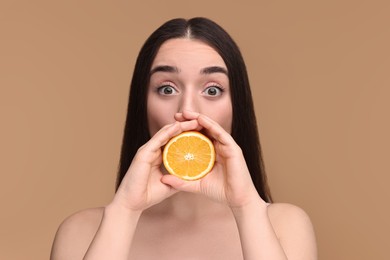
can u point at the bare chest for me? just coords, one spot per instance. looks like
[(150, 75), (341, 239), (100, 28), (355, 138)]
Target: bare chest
[(170, 240)]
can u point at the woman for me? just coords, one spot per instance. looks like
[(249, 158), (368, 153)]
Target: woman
[(189, 75)]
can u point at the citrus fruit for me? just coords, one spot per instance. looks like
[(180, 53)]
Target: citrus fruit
[(189, 155)]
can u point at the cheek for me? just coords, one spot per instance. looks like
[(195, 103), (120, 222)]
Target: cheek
[(223, 115), (225, 120), (159, 115)]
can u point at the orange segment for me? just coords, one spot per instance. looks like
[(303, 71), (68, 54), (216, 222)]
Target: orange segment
[(189, 155)]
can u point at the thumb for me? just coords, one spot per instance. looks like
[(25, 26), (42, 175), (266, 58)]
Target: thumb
[(179, 184)]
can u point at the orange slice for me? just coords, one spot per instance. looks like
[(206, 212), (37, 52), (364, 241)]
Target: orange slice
[(189, 155)]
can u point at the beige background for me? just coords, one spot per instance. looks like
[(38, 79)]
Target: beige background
[(320, 76)]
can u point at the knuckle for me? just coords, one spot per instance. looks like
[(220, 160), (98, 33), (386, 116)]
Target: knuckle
[(141, 152)]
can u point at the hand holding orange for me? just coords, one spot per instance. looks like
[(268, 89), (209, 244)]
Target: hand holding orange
[(189, 155), (230, 181)]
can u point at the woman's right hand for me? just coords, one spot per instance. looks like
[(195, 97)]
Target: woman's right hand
[(141, 187)]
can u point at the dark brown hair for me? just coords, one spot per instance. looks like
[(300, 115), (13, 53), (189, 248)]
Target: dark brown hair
[(244, 126)]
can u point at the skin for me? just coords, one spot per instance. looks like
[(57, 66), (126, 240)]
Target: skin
[(155, 215), (190, 86)]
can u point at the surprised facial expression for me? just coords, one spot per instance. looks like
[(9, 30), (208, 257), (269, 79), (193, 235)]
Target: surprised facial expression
[(188, 74)]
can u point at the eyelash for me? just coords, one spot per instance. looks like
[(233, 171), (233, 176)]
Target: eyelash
[(221, 89), (161, 88), (164, 85)]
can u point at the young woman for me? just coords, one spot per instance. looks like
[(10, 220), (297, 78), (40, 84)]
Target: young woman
[(189, 75)]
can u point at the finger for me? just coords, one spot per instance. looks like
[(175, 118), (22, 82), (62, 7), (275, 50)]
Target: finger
[(180, 185), (190, 115), (188, 125), (169, 131), (179, 117), (214, 130), (162, 136), (186, 115), (172, 191)]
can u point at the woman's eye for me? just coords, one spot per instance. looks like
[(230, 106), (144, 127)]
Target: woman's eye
[(166, 90), (213, 91)]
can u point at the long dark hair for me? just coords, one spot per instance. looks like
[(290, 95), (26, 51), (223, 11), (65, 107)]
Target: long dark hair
[(244, 126)]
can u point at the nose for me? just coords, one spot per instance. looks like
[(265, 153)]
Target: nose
[(189, 102)]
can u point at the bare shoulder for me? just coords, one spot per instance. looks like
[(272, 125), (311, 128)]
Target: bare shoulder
[(284, 213), (294, 229), (75, 234)]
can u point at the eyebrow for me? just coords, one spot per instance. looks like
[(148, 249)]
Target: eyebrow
[(214, 69), (164, 68), (172, 69)]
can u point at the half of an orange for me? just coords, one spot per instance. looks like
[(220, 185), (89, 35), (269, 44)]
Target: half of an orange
[(189, 155)]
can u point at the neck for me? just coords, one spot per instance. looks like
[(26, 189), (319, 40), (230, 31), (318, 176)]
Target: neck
[(188, 206)]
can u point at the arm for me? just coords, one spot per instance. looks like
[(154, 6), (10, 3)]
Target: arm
[(284, 230), (256, 233), (115, 234), (266, 232), (111, 236), (140, 189)]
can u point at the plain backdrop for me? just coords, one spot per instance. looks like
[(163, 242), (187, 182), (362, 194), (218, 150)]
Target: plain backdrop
[(319, 71)]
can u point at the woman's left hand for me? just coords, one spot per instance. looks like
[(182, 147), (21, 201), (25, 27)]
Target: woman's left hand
[(229, 181)]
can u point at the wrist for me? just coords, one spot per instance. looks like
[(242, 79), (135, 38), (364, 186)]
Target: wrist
[(118, 210), (255, 206)]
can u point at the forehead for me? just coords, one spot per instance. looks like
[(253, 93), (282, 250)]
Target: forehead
[(184, 50)]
